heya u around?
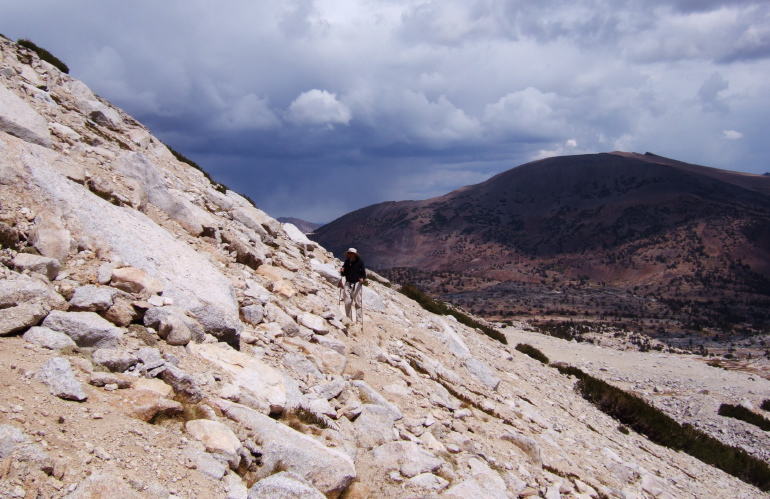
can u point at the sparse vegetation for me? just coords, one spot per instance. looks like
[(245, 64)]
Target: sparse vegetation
[(532, 352), (301, 416), (746, 415), (371, 277), (217, 186), (44, 55), (441, 308), (647, 420), (765, 406)]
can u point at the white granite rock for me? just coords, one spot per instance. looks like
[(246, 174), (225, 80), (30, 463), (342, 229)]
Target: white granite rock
[(57, 374), (19, 119), (86, 329)]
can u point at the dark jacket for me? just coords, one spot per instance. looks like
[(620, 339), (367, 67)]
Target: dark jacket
[(353, 271)]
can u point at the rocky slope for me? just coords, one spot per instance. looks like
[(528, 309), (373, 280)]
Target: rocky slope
[(303, 225), (162, 337)]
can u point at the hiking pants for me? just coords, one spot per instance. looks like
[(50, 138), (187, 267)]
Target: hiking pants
[(353, 292)]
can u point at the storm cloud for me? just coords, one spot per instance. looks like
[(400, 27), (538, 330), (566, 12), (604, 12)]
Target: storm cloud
[(317, 108)]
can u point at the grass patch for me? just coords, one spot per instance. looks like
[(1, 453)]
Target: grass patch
[(190, 411), (645, 419), (44, 55), (301, 418), (217, 186), (441, 308), (371, 277), (740, 412), (184, 159), (532, 352)]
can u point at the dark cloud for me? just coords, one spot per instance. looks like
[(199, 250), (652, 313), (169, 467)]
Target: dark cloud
[(314, 109), (709, 92)]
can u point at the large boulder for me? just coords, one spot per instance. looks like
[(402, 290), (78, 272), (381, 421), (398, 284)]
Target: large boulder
[(15, 319), (313, 322), (50, 237), (14, 442), (217, 437), (47, 266), (252, 254), (133, 280), (257, 220), (453, 341), (19, 119), (86, 329), (114, 359), (330, 272), (48, 338), (253, 314), (14, 291), (372, 300), (90, 105), (296, 235), (274, 313), (263, 383), (155, 316), (57, 374), (482, 373), (369, 395), (329, 470), (146, 404), (90, 298), (174, 331), (374, 426)]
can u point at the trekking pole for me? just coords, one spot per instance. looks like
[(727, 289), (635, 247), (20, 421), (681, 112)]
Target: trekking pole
[(361, 285)]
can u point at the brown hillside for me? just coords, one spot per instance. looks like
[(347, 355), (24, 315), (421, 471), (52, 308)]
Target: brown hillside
[(638, 223)]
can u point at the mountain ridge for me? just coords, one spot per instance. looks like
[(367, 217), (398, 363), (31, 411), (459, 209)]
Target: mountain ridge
[(640, 223)]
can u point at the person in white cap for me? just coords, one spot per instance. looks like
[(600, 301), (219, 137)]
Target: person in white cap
[(354, 273)]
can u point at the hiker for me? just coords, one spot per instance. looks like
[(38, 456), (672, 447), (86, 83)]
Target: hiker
[(353, 273)]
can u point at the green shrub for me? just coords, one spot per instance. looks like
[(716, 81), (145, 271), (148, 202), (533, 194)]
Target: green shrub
[(217, 186), (371, 277), (44, 55), (532, 352), (765, 405), (740, 412), (441, 308), (645, 419)]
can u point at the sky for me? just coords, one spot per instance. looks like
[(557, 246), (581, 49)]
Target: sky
[(315, 108)]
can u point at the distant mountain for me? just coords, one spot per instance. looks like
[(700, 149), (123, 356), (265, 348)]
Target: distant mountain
[(644, 223), (305, 226)]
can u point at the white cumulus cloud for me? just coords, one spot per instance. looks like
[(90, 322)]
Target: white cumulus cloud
[(319, 107), (732, 134)]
